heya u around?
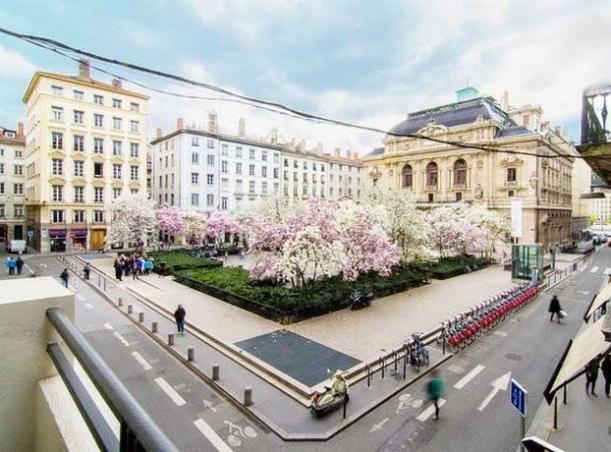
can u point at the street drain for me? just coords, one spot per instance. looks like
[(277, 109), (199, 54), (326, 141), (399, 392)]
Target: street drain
[(513, 357)]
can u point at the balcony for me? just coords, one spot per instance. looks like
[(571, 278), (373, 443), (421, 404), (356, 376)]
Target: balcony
[(595, 134)]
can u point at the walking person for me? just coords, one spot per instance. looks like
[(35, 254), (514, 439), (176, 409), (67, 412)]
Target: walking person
[(11, 264), (8, 259), (86, 271), (19, 264), (434, 388), (592, 376), (179, 316), (64, 277), (554, 308), (606, 368), (118, 269)]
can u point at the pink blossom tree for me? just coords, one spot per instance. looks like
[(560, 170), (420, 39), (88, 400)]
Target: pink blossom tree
[(170, 221), (219, 225)]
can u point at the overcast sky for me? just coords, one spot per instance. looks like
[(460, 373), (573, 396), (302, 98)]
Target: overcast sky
[(365, 61)]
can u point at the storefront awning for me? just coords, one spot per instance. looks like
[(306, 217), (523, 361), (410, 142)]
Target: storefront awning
[(579, 352), (601, 297)]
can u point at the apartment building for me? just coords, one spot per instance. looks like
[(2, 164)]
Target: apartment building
[(85, 146), (12, 178)]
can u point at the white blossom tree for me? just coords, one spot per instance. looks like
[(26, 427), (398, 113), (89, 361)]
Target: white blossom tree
[(133, 222)]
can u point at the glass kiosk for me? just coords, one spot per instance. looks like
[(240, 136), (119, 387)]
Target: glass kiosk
[(527, 262)]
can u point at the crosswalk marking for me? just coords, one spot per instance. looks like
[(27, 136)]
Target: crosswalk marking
[(430, 410), (211, 435), (170, 391), (108, 326), (470, 376)]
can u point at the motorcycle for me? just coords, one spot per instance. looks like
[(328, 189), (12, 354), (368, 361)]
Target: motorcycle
[(333, 397), (418, 355), (359, 300)]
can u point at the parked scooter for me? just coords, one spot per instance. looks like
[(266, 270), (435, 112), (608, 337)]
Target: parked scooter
[(360, 300), (333, 397), (419, 355)]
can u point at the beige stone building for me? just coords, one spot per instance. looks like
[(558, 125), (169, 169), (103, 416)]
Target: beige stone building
[(436, 173), (85, 146), (12, 178)]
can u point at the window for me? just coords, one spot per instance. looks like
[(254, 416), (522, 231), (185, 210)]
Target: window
[(57, 216), (432, 175), (407, 177), (305, 165), (210, 179), (17, 189), (18, 153), (78, 216), (98, 170), (195, 178), (458, 196), (238, 152), (251, 186), (238, 168), (211, 159), (79, 143), (276, 187), (512, 174), (295, 177), (276, 173), (224, 184), (264, 156), (264, 188), (276, 158), (510, 193), (98, 194), (251, 170), (264, 171), (58, 193), (133, 172), (431, 197), (295, 164), (98, 145), (117, 123), (78, 116), (97, 99), (460, 172), (57, 167), (98, 216), (134, 126), (57, 90), (18, 170), (210, 144), (194, 141), (251, 154), (195, 158), (305, 177), (116, 147), (133, 106), (210, 200), (116, 103), (78, 168), (1, 188), (98, 120), (1, 168), (134, 150), (223, 203), (79, 195), (117, 171), (78, 95), (224, 166), (224, 149), (195, 199), (57, 114)]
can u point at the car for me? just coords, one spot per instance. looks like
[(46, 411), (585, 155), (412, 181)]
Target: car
[(16, 246)]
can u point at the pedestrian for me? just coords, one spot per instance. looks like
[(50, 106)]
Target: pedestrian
[(148, 266), (11, 266), (86, 271), (179, 315), (6, 263), (19, 264), (591, 376), (434, 389), (118, 269), (554, 308), (64, 277), (135, 269), (606, 368)]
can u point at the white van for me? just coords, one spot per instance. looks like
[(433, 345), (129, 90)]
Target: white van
[(16, 246)]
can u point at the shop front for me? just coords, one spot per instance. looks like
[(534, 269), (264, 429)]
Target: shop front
[(79, 239), (57, 240), (98, 239)]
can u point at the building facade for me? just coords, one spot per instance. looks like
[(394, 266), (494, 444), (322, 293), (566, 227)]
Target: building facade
[(434, 173), (12, 179), (85, 146), (205, 170)]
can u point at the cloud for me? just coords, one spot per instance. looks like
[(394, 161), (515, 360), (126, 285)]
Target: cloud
[(13, 65)]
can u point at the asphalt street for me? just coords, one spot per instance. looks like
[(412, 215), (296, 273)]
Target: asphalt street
[(476, 414)]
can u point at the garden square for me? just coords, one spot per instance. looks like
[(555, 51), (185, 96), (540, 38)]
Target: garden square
[(305, 360)]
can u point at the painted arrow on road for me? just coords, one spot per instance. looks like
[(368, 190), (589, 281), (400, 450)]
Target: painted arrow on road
[(499, 384), (378, 426)]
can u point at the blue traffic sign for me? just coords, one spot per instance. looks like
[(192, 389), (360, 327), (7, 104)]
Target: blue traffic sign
[(518, 397)]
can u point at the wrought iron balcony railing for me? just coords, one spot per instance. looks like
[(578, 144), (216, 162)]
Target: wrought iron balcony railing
[(594, 115)]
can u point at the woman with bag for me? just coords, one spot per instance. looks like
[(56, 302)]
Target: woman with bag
[(554, 308)]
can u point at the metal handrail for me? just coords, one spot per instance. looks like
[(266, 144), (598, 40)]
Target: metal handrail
[(138, 430)]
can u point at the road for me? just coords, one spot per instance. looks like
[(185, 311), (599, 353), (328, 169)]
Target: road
[(476, 414)]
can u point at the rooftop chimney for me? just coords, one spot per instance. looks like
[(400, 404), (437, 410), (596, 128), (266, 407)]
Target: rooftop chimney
[(20, 133), (117, 83), (212, 125), (505, 101), (180, 123), (158, 132), (274, 139), (337, 152), (241, 128), (83, 69)]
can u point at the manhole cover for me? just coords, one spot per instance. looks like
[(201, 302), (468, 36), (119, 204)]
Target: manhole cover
[(513, 357)]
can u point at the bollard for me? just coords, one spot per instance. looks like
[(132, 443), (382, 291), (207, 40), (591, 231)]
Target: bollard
[(130, 309), (564, 396), (171, 339), (190, 354), (154, 327), (216, 372), (383, 367), (247, 396), (368, 376), (104, 284), (120, 302), (345, 404), (405, 365), (555, 413), (98, 280), (396, 355), (141, 317)]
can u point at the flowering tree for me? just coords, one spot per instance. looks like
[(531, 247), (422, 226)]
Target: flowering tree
[(495, 226), (133, 222), (218, 226), (170, 221), (195, 228)]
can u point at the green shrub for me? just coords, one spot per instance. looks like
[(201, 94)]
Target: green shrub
[(178, 260)]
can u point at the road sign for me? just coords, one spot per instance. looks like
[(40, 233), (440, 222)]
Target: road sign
[(30, 233), (518, 397)]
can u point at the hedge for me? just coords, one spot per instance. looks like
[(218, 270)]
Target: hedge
[(448, 267), (178, 260)]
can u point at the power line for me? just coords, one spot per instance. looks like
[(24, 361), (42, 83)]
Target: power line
[(274, 107)]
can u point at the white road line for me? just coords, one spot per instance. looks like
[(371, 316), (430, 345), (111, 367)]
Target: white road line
[(170, 392), (500, 333), (108, 326), (88, 305), (470, 376), (141, 361), (121, 338), (430, 410), (607, 271), (594, 270), (211, 435)]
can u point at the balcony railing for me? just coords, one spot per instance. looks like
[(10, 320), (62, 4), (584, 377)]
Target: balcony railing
[(594, 115)]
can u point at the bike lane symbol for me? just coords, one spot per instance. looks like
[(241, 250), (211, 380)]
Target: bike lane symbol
[(237, 434)]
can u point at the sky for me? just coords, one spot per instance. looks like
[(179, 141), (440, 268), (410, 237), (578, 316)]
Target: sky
[(359, 61)]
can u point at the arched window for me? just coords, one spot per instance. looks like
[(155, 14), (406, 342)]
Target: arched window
[(460, 172), (432, 173), (407, 177)]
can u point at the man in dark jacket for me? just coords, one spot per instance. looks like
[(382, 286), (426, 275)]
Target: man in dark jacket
[(179, 316), (554, 308), (606, 368), (19, 264), (118, 269), (592, 375)]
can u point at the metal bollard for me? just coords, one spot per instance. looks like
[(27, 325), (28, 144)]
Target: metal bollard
[(216, 372), (247, 396), (120, 302), (171, 339), (396, 355), (154, 327), (98, 280), (190, 354), (141, 317), (405, 364), (130, 309), (104, 284), (368, 376), (383, 367)]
